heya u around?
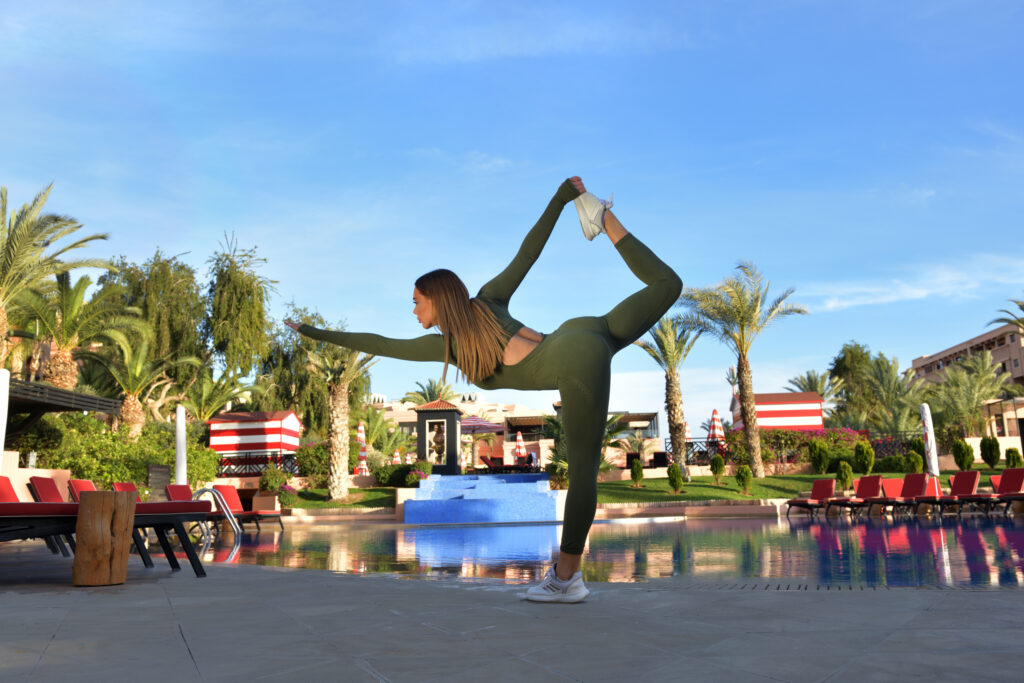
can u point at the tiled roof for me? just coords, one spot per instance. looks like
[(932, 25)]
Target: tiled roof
[(438, 405)]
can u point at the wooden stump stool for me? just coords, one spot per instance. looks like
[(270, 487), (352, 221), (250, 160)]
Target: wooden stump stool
[(103, 536)]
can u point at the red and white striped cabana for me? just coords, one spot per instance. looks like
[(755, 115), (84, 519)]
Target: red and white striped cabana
[(786, 410), (249, 442)]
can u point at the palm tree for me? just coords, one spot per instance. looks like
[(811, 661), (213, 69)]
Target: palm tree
[(634, 443), (1012, 318), (822, 384), (671, 344), (63, 316), (559, 458), (736, 312), (899, 396), (135, 374), (382, 435), (965, 389), (433, 391), (207, 396), (24, 237), (338, 367), (731, 379)]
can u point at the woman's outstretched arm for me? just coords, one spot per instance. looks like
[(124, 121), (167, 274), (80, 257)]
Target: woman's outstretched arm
[(429, 347), (502, 287)]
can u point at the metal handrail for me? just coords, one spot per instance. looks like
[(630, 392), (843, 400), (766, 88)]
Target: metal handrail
[(222, 504)]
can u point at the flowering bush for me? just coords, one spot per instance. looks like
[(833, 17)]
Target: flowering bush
[(287, 496)]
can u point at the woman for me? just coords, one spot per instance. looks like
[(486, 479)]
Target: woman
[(493, 350)]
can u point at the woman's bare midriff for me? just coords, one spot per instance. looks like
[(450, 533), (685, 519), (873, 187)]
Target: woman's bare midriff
[(520, 346)]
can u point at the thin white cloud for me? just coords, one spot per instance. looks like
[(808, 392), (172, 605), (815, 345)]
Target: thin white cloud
[(477, 161), (962, 280), (999, 131), (526, 34)]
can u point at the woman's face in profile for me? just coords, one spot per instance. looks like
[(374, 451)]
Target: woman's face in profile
[(424, 309)]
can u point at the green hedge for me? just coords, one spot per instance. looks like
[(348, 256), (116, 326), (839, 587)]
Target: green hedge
[(87, 447)]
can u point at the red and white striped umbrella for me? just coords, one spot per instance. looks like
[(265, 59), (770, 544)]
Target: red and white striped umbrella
[(410, 458), (687, 436), (716, 433), (520, 451), (397, 458), (361, 438)]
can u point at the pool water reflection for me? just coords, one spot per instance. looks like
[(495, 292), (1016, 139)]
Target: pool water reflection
[(971, 552)]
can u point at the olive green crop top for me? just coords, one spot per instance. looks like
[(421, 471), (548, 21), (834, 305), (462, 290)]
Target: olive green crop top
[(495, 294)]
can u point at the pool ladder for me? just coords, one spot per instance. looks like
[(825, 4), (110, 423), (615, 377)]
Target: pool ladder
[(235, 526)]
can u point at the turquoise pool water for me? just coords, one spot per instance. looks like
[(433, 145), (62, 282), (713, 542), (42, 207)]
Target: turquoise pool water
[(972, 552)]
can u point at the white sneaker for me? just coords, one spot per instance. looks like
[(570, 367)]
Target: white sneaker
[(591, 211), (553, 589)]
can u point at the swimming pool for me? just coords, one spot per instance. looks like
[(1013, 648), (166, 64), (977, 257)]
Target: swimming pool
[(974, 552)]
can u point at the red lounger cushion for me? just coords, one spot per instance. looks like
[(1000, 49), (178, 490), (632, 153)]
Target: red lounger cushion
[(173, 507), (71, 509), (7, 493), (178, 491), (77, 486), (38, 510), (46, 490)]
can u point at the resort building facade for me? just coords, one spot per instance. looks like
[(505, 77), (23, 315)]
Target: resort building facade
[(1006, 344), (516, 420)]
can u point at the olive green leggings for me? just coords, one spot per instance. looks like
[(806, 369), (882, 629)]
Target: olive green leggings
[(579, 355)]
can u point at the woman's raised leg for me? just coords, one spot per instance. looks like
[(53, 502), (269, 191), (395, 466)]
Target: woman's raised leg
[(638, 312)]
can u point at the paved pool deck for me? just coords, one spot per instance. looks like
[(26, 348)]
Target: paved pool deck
[(244, 623)]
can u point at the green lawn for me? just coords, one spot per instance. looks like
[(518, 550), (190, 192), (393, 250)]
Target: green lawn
[(704, 488), (655, 490), (361, 498)]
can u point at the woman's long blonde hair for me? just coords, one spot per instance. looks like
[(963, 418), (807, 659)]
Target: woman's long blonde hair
[(479, 339)]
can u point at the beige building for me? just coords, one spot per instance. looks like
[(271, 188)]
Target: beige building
[(515, 419), (1006, 418)]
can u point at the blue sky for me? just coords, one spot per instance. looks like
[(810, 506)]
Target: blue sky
[(869, 154)]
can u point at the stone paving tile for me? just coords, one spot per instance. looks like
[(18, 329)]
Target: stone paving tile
[(702, 669), (939, 666), (321, 625)]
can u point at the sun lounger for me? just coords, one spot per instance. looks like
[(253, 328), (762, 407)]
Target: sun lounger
[(234, 503), (821, 491), (962, 484), (994, 481), (868, 488), (161, 517), (1010, 482), (912, 486)]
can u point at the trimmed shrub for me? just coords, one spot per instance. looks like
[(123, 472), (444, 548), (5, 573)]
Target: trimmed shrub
[(817, 452), (844, 475), (990, 451), (890, 463), (1013, 458), (863, 457), (915, 463), (418, 471), (744, 477), (833, 464), (314, 464), (717, 467), (917, 445), (636, 472), (963, 455), (273, 479), (675, 477)]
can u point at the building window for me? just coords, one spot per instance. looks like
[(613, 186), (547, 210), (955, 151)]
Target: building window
[(1001, 341), (1016, 362), (1012, 338)]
